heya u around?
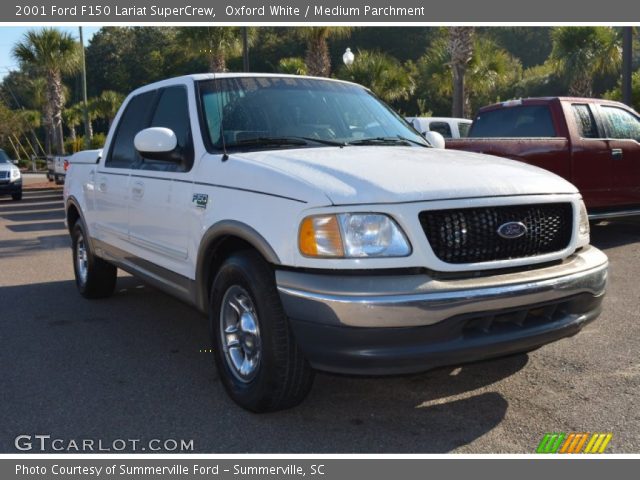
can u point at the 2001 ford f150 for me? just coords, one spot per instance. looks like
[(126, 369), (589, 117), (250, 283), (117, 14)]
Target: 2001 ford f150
[(595, 144), (318, 230)]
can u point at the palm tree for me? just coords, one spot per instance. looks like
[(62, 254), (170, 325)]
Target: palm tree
[(32, 120), (461, 51), (53, 53), (382, 73), (216, 43), (106, 106), (581, 53), (317, 56), (72, 117), (292, 65), (491, 74)]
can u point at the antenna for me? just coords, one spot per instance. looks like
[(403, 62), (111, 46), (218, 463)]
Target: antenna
[(225, 155)]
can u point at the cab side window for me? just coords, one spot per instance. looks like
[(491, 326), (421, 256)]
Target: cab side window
[(172, 111), (443, 128), (136, 116), (622, 124), (585, 122)]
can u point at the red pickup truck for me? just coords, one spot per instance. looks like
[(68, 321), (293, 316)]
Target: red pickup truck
[(595, 144)]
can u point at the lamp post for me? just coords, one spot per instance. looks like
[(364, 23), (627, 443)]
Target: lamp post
[(85, 107), (627, 59), (348, 57)]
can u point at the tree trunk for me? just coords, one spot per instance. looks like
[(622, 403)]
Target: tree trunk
[(55, 98), (461, 51), (317, 58), (458, 91), (217, 62), (581, 86)]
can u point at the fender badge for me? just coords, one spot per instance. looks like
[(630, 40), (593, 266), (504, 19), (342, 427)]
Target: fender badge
[(200, 200)]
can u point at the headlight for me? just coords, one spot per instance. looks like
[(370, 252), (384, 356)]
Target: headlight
[(583, 226), (352, 235), (15, 174)]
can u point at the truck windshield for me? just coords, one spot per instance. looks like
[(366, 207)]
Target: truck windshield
[(4, 158), (281, 112)]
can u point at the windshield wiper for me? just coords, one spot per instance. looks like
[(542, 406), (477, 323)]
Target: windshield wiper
[(397, 140), (268, 141), (334, 143)]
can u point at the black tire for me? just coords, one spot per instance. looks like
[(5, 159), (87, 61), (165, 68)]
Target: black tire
[(282, 377), (99, 278), (16, 196)]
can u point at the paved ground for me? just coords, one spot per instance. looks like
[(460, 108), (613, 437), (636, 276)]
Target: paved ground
[(130, 367)]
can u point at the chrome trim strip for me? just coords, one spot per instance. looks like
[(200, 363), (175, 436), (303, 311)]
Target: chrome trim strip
[(158, 248), (428, 308), (606, 215)]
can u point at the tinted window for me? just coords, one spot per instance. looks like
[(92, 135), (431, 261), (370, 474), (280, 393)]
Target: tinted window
[(463, 128), (585, 121), (442, 128), (4, 158), (172, 111), (135, 118), (523, 121), (622, 124)]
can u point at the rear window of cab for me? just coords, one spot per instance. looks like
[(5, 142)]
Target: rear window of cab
[(521, 121)]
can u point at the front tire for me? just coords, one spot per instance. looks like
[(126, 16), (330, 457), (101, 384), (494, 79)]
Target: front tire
[(16, 197), (95, 278), (260, 364)]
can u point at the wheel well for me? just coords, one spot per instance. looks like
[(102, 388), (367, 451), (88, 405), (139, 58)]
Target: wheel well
[(218, 252), (72, 216)]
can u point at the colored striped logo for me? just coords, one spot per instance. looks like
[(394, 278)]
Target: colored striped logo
[(574, 443)]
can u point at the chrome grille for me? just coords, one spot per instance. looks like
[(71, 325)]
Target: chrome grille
[(470, 235)]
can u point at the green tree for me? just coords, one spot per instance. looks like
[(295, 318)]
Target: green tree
[(580, 54), (489, 76), (383, 74), (616, 93), (216, 44), (53, 53), (292, 65), (317, 57), (106, 106), (73, 118)]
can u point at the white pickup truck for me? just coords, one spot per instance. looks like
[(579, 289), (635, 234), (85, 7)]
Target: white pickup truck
[(318, 230)]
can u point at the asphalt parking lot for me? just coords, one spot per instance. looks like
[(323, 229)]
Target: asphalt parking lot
[(133, 367)]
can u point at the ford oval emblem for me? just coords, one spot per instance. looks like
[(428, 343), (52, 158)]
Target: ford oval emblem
[(512, 230)]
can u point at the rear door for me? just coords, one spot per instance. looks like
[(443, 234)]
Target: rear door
[(623, 132), (112, 177), (591, 166)]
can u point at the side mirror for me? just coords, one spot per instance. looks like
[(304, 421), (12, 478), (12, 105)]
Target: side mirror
[(15, 162), (435, 139), (157, 143)]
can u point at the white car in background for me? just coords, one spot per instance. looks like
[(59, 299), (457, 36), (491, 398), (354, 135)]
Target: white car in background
[(445, 126), (10, 177)]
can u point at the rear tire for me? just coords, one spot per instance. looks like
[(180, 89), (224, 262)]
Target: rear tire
[(260, 364), (95, 277)]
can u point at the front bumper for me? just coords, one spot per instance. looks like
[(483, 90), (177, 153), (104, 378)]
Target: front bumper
[(8, 188), (384, 324)]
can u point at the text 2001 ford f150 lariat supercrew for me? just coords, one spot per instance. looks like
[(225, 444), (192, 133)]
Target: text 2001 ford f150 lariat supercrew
[(318, 230)]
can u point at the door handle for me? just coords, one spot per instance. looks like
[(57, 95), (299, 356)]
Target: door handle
[(102, 185), (137, 190), (617, 153)]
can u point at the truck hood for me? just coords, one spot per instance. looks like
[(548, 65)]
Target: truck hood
[(6, 167), (395, 174)]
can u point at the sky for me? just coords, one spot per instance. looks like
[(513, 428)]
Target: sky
[(9, 36)]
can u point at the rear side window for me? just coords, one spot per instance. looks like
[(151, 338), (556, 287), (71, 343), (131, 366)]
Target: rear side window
[(135, 118), (622, 124), (464, 128), (522, 121), (172, 111), (584, 120), (443, 128)]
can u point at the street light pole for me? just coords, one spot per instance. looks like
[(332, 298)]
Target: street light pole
[(85, 106), (627, 58), (245, 49)]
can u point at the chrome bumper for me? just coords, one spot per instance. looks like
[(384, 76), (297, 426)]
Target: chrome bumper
[(419, 300)]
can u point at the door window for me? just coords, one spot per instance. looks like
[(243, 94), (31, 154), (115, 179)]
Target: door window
[(136, 117), (584, 120), (622, 124), (443, 128)]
